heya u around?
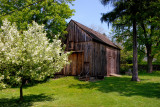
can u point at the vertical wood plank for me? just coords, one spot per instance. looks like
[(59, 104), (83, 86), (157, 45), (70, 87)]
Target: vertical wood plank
[(97, 58)]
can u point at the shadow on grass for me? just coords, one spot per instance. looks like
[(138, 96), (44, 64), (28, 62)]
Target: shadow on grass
[(32, 83), (123, 86), (28, 101)]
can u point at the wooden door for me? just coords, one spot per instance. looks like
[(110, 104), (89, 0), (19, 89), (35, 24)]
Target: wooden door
[(79, 63), (111, 62), (76, 66)]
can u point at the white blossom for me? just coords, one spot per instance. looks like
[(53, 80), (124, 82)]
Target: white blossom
[(31, 50)]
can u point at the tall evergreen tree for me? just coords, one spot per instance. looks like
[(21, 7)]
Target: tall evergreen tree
[(147, 29), (130, 9)]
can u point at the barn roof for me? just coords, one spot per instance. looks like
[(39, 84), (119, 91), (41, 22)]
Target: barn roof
[(96, 36)]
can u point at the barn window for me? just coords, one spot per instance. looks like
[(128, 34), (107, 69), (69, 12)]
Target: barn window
[(71, 45)]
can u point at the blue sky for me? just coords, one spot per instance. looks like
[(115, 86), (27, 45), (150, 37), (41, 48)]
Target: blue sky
[(88, 12)]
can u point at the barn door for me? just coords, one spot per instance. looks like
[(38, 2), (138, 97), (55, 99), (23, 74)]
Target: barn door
[(111, 62), (79, 63), (76, 63), (112, 59)]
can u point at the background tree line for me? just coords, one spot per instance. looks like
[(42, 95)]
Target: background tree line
[(136, 24)]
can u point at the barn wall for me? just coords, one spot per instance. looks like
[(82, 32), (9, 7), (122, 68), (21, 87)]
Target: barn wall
[(80, 43), (76, 66), (113, 59), (89, 56), (81, 59), (95, 58), (106, 60), (99, 60), (76, 35), (118, 61)]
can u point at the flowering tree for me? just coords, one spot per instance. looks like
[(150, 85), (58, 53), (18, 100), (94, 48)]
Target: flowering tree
[(28, 55), (2, 85)]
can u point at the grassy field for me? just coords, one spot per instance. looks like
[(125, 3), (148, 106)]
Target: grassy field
[(70, 92)]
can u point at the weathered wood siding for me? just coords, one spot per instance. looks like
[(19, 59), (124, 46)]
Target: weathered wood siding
[(118, 61), (89, 56), (113, 59), (105, 60), (76, 65), (80, 43), (76, 38), (99, 59)]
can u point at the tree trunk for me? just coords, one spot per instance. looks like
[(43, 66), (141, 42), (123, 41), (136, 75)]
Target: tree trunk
[(149, 59), (21, 93), (21, 90), (135, 61)]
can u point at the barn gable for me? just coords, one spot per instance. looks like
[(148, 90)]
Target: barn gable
[(92, 53), (76, 33), (96, 36)]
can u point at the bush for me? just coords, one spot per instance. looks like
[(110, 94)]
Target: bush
[(141, 67), (125, 68)]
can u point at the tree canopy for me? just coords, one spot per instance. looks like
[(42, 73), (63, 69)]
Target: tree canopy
[(51, 13)]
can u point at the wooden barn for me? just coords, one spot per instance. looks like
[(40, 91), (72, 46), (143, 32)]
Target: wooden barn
[(93, 54)]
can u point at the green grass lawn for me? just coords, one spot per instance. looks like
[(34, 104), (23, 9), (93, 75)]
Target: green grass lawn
[(70, 92)]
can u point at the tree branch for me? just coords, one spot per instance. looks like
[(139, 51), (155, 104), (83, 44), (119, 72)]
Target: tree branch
[(22, 8)]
